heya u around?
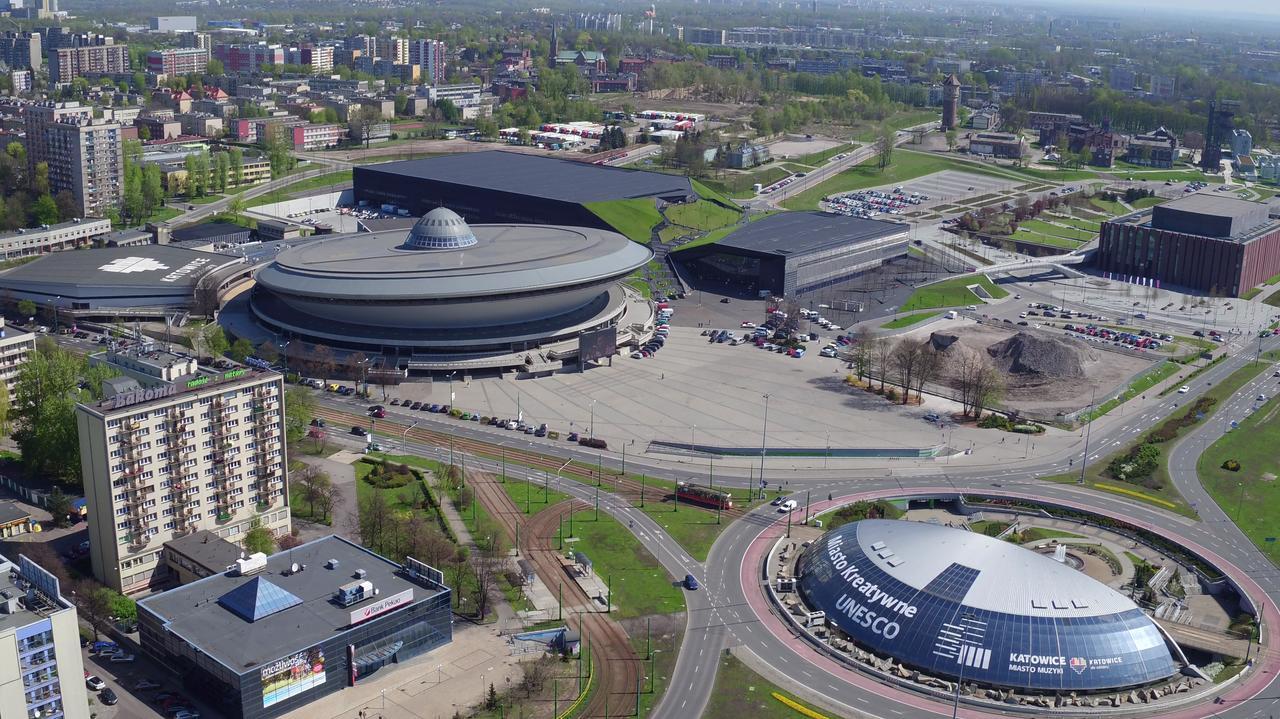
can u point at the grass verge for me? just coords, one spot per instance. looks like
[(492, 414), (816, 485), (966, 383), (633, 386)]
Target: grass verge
[(638, 582), (953, 292), (311, 183), (908, 320), (1251, 494), (702, 215), (740, 692)]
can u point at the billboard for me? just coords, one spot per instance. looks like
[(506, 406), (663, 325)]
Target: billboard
[(292, 675), (599, 343), (382, 606)]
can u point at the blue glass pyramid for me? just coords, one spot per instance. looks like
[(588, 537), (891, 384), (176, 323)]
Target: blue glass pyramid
[(256, 599)]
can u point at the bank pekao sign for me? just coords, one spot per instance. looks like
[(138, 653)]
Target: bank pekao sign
[(382, 606), (124, 399)]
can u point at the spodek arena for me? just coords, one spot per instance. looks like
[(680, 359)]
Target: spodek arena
[(958, 604)]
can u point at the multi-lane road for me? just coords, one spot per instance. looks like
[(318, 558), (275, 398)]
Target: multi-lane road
[(723, 615)]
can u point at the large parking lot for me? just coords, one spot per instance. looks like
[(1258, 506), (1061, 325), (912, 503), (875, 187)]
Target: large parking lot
[(950, 185)]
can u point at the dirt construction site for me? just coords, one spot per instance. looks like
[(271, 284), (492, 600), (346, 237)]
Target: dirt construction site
[(1044, 371)]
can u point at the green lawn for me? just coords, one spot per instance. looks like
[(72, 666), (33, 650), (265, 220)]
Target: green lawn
[(1251, 500), (1272, 299), (1080, 223), (740, 692), (708, 193), (671, 232), (395, 157), (719, 234), (953, 292), (1251, 293), (329, 179), (908, 320), (1111, 207), (1059, 175), (1037, 534), (741, 185), (693, 527), (1138, 386), (639, 584), (1071, 233), (634, 218), (814, 159), (1143, 203), (702, 215), (531, 497), (906, 165), (898, 121)]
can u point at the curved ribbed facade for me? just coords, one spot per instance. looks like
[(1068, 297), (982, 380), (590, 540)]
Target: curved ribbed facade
[(955, 603)]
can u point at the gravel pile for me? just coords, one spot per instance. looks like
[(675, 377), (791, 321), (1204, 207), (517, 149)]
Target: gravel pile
[(942, 341), (1027, 354)]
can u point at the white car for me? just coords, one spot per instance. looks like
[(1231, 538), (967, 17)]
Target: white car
[(1184, 389), (94, 683), (788, 506)]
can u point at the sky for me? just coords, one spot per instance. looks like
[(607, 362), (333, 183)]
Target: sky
[(1268, 9)]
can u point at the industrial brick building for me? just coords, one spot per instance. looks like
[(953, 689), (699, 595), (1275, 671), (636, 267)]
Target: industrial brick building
[(1217, 245)]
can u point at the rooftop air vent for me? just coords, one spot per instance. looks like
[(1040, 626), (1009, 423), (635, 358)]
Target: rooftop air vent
[(331, 564)]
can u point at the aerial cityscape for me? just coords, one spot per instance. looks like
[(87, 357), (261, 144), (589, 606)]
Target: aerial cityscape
[(392, 359)]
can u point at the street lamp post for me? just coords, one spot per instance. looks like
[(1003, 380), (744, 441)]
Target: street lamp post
[(404, 438), (591, 429), (764, 433)]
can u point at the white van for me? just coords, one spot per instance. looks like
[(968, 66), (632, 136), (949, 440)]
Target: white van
[(952, 315), (787, 506)]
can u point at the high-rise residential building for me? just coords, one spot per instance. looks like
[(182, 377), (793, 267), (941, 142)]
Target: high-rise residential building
[(189, 448), (248, 58), (367, 45), (177, 60), (15, 347), (430, 56), (41, 673), (1122, 78), (68, 63), (84, 155), (318, 57), (195, 39), (1241, 142), (394, 50), (21, 50)]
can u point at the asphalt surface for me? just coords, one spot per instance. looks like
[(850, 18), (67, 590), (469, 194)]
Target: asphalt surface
[(721, 615)]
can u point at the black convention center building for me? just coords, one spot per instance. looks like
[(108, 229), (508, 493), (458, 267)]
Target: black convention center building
[(272, 634), (494, 186), (791, 253)]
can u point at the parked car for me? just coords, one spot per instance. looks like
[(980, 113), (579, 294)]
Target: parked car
[(932, 417), (573, 437), (94, 682), (317, 422), (144, 684), (122, 658)]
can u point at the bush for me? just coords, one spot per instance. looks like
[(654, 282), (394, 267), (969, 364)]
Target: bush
[(1172, 427), (1137, 464), (1231, 465), (455, 412), (891, 394), (1027, 428)]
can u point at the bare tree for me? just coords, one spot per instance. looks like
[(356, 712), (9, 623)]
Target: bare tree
[(313, 484), (355, 367), (904, 362), (323, 361), (792, 323), (860, 352), (433, 547), (485, 566), (378, 525), (928, 367), (881, 351), (968, 364), (987, 390), (268, 351)]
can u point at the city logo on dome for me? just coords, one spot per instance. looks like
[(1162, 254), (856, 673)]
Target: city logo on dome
[(127, 265), (1078, 664)]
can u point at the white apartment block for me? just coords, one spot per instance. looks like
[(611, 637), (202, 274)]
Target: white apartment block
[(15, 347), (62, 236), (41, 673), (201, 452)]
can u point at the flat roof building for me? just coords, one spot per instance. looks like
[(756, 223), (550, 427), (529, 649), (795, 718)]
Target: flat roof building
[(41, 673), (792, 253), (291, 628), (62, 236), (497, 186), (168, 457), (1202, 242)]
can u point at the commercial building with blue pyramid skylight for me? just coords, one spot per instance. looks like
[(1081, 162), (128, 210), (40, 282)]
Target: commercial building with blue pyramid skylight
[(272, 634)]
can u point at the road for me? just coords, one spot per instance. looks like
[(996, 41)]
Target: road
[(722, 614), (825, 172)]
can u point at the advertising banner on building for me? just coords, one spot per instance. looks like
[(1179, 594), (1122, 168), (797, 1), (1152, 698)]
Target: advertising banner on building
[(292, 675)]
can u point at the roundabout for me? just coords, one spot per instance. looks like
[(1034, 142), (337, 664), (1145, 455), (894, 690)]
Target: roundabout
[(815, 663)]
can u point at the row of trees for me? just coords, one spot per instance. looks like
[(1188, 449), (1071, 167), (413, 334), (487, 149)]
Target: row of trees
[(910, 364), (27, 197)]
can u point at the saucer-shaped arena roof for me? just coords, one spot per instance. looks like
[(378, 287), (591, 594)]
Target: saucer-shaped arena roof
[(957, 603)]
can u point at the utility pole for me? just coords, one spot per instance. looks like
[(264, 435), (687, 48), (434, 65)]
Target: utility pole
[(597, 503), (504, 465), (1088, 433), (806, 507), (788, 525), (642, 491), (764, 433)]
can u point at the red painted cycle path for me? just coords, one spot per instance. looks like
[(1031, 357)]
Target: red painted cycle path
[(1242, 691)]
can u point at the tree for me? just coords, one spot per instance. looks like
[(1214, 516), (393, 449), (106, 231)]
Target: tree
[(59, 506), (377, 524), (96, 604), (40, 179), (50, 383), (268, 351), (930, 364), (299, 407), (215, 340), (240, 349), (951, 140), (26, 308), (978, 381), (323, 361), (66, 204), (152, 189), (215, 67), (884, 148), (904, 361), (313, 483), (258, 539), (881, 351), (221, 168), (236, 156), (4, 409), (45, 211), (365, 120), (355, 366)]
